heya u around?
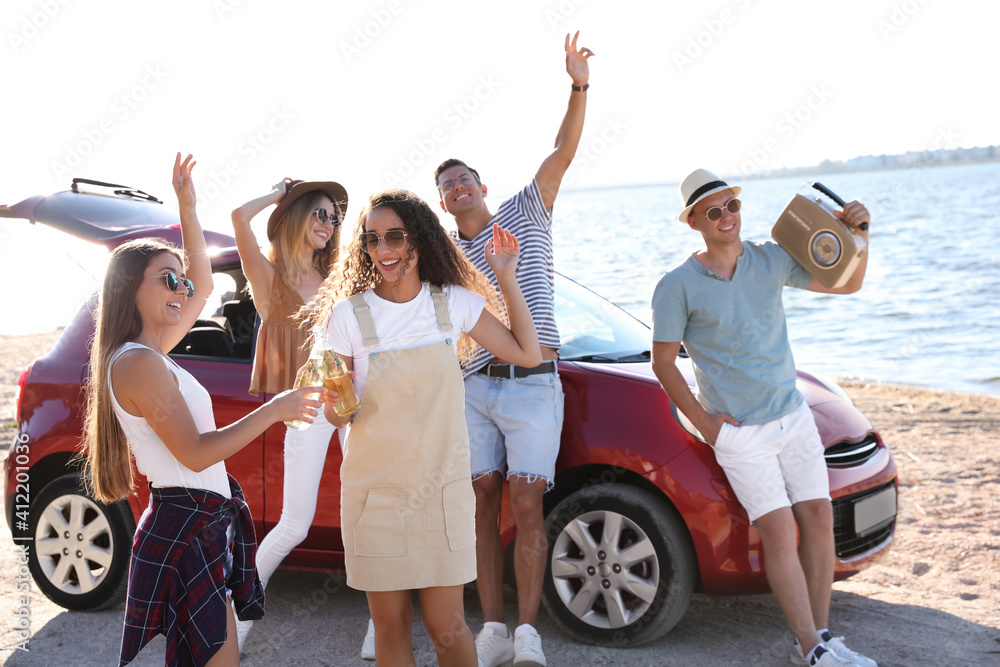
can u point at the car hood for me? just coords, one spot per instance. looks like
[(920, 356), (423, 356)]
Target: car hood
[(835, 414), (105, 219)]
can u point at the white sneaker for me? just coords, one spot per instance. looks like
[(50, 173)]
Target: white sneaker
[(828, 659), (368, 645), (838, 646), (242, 630), (835, 645), (528, 649), (492, 649)]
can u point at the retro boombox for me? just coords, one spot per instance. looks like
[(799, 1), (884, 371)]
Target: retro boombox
[(823, 245)]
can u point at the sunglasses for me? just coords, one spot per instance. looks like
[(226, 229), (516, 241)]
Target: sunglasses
[(394, 239), (327, 218), (449, 185), (173, 281), (714, 214)]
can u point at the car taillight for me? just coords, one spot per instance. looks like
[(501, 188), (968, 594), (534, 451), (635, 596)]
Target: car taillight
[(21, 381)]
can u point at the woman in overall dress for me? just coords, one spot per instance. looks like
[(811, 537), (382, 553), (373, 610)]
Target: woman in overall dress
[(193, 552), (407, 505), (304, 233)]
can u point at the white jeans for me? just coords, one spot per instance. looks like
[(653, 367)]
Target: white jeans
[(305, 454)]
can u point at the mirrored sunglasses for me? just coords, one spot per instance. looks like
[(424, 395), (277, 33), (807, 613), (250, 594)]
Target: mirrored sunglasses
[(327, 217), (394, 240), (173, 282)]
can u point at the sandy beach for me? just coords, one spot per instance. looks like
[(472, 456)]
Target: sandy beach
[(934, 600)]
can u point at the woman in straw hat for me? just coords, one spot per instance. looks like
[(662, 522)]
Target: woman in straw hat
[(304, 235)]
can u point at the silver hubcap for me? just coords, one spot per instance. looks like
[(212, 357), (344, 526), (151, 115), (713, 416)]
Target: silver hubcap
[(74, 545), (605, 569)]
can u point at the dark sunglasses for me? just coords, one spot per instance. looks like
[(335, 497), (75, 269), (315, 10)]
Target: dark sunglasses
[(394, 240), (714, 214), (327, 218), (173, 281)]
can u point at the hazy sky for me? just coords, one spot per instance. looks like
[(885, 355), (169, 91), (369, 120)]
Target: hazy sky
[(377, 93)]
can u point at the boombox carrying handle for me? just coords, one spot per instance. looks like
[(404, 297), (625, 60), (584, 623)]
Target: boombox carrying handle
[(840, 202)]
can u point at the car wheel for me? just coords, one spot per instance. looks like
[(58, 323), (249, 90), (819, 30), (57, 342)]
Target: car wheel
[(621, 566), (81, 548)]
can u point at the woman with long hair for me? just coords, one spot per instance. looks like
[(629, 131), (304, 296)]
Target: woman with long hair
[(402, 307), (194, 545), (304, 235)]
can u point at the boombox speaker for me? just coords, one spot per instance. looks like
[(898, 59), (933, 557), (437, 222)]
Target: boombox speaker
[(823, 245)]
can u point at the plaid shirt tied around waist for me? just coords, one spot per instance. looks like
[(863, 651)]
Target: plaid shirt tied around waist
[(176, 584)]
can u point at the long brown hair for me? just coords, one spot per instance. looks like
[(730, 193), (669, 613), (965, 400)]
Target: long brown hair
[(108, 464), (288, 254), (440, 262)]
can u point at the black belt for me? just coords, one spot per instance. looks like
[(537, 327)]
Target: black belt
[(510, 371)]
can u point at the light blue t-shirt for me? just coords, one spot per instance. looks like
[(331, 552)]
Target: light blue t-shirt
[(734, 331)]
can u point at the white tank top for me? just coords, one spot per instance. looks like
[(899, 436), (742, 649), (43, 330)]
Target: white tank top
[(152, 458)]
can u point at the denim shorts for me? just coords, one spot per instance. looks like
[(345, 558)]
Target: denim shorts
[(774, 465), (515, 425)]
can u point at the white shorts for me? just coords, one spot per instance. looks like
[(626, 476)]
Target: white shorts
[(774, 465)]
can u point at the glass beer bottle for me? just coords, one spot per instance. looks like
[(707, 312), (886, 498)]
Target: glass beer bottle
[(324, 366)]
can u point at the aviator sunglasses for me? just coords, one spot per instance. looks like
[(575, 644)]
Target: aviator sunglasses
[(714, 214), (394, 240), (327, 218), (173, 281)]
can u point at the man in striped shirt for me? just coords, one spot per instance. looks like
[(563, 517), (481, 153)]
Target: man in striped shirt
[(515, 414)]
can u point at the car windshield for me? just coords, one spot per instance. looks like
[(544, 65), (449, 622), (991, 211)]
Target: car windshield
[(594, 329)]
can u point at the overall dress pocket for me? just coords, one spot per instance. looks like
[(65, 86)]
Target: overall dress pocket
[(381, 530), (459, 514)]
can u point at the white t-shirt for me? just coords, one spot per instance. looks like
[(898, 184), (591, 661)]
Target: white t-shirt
[(401, 326), (152, 458)]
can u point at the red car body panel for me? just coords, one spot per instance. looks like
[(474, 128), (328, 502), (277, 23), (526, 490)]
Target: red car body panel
[(619, 428)]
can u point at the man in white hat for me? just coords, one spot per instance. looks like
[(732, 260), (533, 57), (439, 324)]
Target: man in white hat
[(724, 304)]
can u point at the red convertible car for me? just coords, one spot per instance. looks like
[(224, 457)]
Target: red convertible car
[(640, 518)]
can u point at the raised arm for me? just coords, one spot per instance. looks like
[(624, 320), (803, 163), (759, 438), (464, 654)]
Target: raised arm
[(256, 267), (519, 343), (664, 357), (550, 174), (854, 215), (199, 270)]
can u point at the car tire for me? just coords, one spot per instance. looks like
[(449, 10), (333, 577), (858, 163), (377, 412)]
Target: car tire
[(621, 567), (80, 550)]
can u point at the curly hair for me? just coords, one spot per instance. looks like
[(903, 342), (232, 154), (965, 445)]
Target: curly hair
[(440, 262)]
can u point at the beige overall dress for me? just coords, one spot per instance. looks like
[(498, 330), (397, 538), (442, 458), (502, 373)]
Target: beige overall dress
[(407, 505)]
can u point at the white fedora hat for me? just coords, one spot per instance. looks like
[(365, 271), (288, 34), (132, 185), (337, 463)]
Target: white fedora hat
[(699, 184)]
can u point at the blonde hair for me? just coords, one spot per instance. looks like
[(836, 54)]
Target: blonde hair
[(108, 460), (288, 254), (440, 263)]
